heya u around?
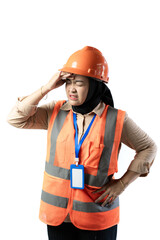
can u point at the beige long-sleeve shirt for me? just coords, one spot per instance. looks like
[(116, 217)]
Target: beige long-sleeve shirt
[(24, 115)]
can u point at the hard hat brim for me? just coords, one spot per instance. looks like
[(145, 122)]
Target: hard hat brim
[(83, 73)]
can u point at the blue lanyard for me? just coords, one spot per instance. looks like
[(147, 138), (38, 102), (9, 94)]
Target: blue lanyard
[(78, 146)]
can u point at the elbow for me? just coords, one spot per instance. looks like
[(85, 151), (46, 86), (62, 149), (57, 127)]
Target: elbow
[(155, 148), (13, 122), (147, 165), (10, 121)]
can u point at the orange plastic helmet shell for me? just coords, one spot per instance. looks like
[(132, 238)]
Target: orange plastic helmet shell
[(87, 61)]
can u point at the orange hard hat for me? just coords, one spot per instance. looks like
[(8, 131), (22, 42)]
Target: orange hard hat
[(87, 61)]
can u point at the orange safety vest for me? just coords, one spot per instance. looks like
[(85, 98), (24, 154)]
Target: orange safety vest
[(98, 154)]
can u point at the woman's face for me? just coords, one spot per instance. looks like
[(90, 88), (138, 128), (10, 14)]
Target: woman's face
[(77, 87)]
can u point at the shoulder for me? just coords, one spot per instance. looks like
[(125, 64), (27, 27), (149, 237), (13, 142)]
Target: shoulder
[(51, 105), (118, 113)]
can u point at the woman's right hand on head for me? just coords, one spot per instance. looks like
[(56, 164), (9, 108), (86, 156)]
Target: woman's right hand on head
[(57, 80)]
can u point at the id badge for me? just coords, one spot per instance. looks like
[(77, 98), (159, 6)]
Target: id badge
[(77, 176)]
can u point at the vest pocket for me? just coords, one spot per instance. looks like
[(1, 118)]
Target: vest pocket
[(55, 186), (94, 155), (61, 152)]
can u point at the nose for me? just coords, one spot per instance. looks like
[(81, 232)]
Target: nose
[(72, 87)]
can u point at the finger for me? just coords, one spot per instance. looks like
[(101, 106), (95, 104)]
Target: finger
[(69, 74), (111, 201), (65, 73), (107, 200), (64, 78), (59, 73), (99, 190), (101, 197)]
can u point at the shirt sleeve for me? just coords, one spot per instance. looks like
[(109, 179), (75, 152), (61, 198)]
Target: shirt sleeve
[(24, 115), (135, 138)]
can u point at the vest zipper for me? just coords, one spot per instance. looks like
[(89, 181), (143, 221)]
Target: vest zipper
[(70, 202)]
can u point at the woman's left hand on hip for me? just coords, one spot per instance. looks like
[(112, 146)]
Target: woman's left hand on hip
[(113, 189)]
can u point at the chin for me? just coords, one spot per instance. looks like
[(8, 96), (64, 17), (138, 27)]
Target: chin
[(74, 103)]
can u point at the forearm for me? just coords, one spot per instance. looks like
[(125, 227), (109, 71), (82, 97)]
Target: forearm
[(134, 137), (34, 98), (129, 177), (26, 114), (54, 82)]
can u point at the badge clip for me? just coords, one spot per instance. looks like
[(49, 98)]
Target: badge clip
[(77, 161)]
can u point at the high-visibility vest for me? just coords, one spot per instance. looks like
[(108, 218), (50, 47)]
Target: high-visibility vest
[(98, 154)]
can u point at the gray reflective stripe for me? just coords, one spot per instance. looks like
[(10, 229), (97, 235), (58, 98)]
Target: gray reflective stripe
[(99, 180), (110, 128), (54, 200), (57, 126), (93, 207), (102, 173), (57, 171), (108, 139)]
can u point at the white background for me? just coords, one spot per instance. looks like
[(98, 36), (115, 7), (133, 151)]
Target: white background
[(37, 37)]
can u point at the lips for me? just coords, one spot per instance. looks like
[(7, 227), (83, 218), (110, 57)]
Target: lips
[(73, 97)]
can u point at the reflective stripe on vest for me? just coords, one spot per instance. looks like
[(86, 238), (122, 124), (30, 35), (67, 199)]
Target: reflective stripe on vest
[(77, 205), (92, 207), (54, 200), (99, 154), (102, 174), (49, 167)]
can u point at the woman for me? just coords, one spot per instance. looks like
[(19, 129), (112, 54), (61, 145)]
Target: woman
[(80, 195)]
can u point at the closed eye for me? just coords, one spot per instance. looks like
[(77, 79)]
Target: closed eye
[(68, 80), (79, 82)]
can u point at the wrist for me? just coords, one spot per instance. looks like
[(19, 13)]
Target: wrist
[(129, 177), (122, 184), (45, 89)]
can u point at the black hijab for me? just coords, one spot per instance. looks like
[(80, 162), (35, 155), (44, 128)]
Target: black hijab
[(98, 91)]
